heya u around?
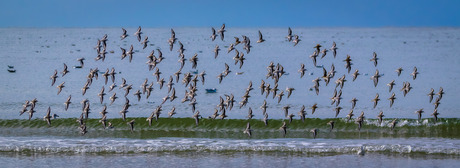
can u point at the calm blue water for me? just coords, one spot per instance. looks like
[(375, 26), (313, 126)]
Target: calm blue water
[(36, 53)]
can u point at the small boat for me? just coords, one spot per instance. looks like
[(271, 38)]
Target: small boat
[(77, 67), (10, 66), (12, 70), (239, 73), (213, 90)]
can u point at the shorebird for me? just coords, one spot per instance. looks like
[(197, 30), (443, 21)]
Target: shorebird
[(393, 123), (193, 104), (106, 75), (340, 82), (313, 108), (86, 111), (173, 95), (419, 113), (101, 94), (160, 55), (431, 94), (130, 53), (81, 120), (172, 112), (149, 90), (376, 77), (156, 113), (361, 151), (138, 33), (214, 115), (313, 57), (302, 70), (289, 90), (355, 74), (302, 113), (131, 125), (360, 121), (262, 87), (31, 112), (374, 59), (318, 48), (261, 39), (284, 127), (81, 61), (280, 96), (67, 102), (264, 107), (60, 86), (331, 123), (248, 130), (172, 40), (390, 85), (435, 115), (337, 111), (124, 35), (213, 35), (181, 49), (353, 102), (323, 53), (250, 115), (440, 93), (414, 73), (314, 132), (83, 130), (104, 41), (177, 74), (24, 107), (265, 119), (334, 49), (145, 42), (348, 63), (350, 115), (223, 115), (103, 120), (194, 61), (221, 32), (113, 98), (138, 95), (216, 51), (296, 40), (150, 118), (399, 70), (127, 89), (437, 103), (65, 71), (53, 77), (289, 36), (47, 117), (104, 111), (237, 41), (376, 100), (380, 117), (392, 99), (197, 116), (123, 114), (227, 70), (286, 110)]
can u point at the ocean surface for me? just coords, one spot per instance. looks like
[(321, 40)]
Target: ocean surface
[(179, 142)]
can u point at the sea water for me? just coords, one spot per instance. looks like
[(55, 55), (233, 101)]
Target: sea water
[(36, 53)]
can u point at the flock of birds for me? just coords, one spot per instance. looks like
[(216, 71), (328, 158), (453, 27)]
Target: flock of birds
[(190, 81)]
